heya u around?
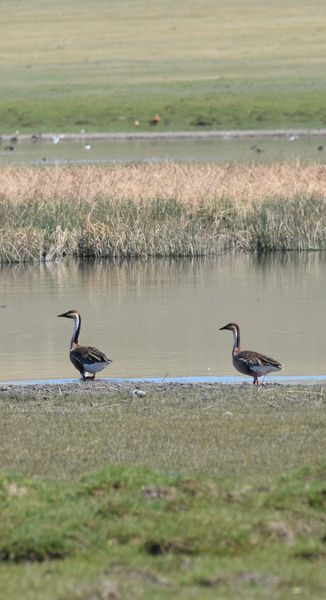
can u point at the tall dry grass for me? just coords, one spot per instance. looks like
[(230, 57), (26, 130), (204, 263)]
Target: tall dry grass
[(160, 210), (186, 183)]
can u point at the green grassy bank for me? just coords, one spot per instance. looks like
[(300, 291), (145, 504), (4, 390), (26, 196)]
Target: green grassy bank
[(224, 492), (190, 106), (99, 67), (126, 533)]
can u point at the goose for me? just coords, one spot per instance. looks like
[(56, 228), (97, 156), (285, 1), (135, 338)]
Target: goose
[(85, 359), (249, 362)]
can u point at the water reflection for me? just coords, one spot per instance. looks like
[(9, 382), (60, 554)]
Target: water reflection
[(160, 318)]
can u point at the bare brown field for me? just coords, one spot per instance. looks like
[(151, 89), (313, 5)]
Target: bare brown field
[(160, 210), (189, 184)]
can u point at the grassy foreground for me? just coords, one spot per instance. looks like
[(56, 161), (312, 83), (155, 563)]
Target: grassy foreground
[(99, 67), (159, 210), (224, 492)]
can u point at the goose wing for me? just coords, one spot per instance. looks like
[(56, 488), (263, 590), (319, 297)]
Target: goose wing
[(254, 359), (88, 355)]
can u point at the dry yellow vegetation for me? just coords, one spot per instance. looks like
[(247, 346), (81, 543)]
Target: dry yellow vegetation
[(188, 184), (160, 210)]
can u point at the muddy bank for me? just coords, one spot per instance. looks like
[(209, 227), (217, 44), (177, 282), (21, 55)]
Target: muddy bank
[(139, 389), (80, 389)]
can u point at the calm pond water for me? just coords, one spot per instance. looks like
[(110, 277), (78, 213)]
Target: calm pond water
[(220, 150), (160, 318)]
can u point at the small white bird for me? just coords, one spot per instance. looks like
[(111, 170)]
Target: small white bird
[(57, 138), (137, 392)]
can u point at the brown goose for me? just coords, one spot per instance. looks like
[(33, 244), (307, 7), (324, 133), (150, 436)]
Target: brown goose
[(249, 362), (85, 359)]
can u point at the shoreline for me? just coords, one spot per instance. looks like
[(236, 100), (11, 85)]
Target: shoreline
[(138, 387), (157, 135)]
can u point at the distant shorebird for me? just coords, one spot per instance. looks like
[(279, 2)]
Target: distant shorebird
[(57, 138), (85, 359), (249, 362), (137, 392)]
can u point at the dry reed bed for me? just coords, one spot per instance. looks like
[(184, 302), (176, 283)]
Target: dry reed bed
[(168, 181), (160, 210)]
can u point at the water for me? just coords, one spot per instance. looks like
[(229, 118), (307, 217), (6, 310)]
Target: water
[(115, 151), (160, 318)]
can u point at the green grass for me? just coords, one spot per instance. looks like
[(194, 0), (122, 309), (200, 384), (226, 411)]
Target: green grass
[(100, 68), (237, 433), (224, 492), (135, 531), (181, 107)]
